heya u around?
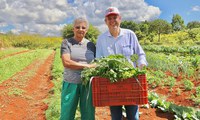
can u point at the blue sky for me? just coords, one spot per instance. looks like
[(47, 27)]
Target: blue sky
[(48, 17), (189, 10)]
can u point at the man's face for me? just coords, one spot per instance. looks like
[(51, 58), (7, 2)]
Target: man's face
[(113, 21)]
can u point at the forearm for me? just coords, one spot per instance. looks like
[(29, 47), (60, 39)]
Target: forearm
[(142, 61), (75, 65)]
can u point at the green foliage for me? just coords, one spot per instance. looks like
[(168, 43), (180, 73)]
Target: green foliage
[(30, 41), (194, 34), (156, 78), (130, 25), (178, 91), (177, 50), (198, 91), (67, 31), (144, 27), (54, 100), (177, 23), (134, 57), (113, 67), (11, 65), (188, 85), (9, 51), (193, 24), (186, 65), (196, 97), (53, 111), (171, 81), (160, 26), (92, 34), (181, 112)]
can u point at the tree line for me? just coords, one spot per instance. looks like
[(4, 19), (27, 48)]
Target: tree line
[(146, 29)]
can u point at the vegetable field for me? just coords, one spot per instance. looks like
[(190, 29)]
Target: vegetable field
[(30, 84)]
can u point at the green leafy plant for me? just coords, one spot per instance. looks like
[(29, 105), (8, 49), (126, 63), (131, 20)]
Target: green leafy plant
[(178, 91), (181, 112), (171, 82), (113, 67), (198, 91), (188, 84)]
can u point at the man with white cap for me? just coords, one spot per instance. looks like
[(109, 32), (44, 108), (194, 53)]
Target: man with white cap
[(120, 41)]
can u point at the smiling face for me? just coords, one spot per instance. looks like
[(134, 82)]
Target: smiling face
[(113, 21), (80, 29)]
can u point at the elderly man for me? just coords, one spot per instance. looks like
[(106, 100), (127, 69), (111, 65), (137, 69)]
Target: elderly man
[(120, 41)]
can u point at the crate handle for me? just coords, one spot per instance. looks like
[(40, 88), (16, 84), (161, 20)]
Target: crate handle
[(90, 82), (138, 82)]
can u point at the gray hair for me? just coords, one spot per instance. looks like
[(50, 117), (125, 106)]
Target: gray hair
[(80, 20)]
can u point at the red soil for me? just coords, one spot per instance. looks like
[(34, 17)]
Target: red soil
[(30, 104)]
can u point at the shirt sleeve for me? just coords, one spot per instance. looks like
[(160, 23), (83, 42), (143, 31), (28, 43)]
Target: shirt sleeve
[(64, 49), (98, 48), (139, 51), (92, 47)]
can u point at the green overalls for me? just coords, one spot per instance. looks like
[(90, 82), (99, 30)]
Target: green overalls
[(71, 95)]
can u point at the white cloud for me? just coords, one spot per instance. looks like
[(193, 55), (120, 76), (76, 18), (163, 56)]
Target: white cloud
[(3, 24), (45, 16), (196, 8)]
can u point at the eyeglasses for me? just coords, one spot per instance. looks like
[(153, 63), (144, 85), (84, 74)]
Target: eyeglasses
[(79, 27), (112, 17)]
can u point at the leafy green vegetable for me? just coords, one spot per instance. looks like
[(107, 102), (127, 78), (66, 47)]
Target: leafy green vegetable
[(113, 67), (134, 57)]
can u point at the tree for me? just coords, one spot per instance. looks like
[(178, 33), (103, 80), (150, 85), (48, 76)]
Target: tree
[(91, 35), (130, 25), (193, 24), (134, 27), (67, 31), (177, 23), (193, 33), (160, 26), (144, 29)]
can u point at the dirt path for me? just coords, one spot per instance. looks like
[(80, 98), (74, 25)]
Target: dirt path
[(103, 113), (22, 96)]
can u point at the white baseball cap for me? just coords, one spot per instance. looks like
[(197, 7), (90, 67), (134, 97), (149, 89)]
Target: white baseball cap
[(112, 10)]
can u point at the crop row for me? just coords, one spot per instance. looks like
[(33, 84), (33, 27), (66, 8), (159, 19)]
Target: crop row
[(188, 66), (53, 111), (13, 64), (182, 50), (9, 51)]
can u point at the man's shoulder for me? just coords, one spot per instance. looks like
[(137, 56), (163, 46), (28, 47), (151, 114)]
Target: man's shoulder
[(124, 30), (105, 34)]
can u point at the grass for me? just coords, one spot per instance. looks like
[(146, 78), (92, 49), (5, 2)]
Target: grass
[(9, 51), (11, 65), (53, 111)]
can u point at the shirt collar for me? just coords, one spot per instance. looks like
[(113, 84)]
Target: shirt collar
[(120, 34), (80, 43)]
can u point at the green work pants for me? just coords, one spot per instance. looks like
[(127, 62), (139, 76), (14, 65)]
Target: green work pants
[(71, 95)]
